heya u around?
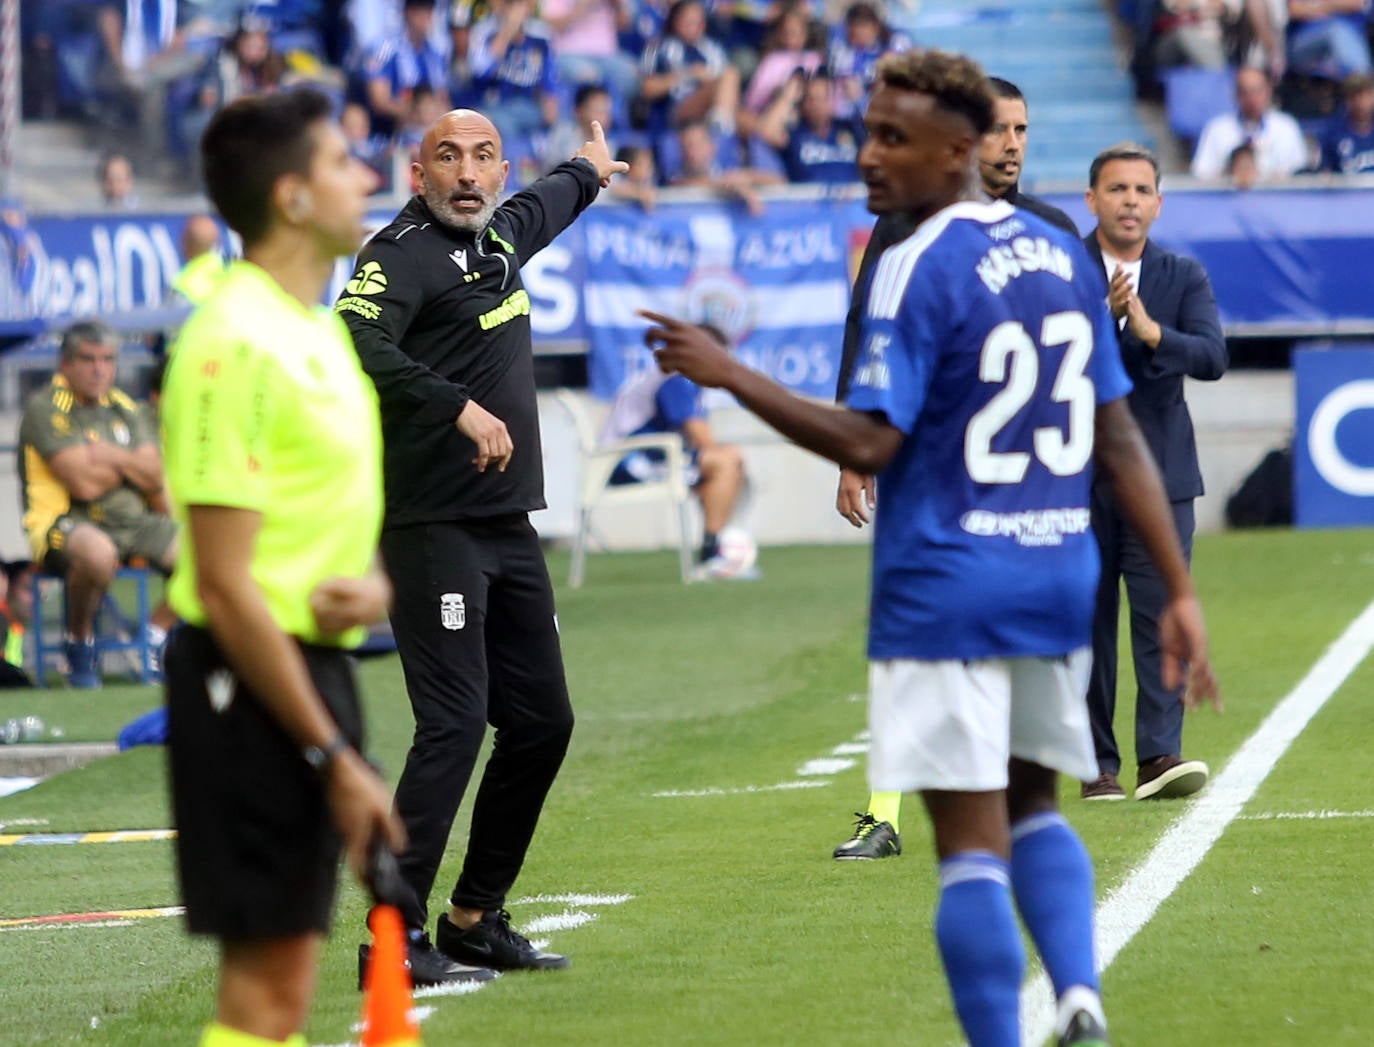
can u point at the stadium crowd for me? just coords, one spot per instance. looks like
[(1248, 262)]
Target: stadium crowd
[(734, 96)]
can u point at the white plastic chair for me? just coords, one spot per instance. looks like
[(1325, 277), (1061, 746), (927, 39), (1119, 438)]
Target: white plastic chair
[(596, 490)]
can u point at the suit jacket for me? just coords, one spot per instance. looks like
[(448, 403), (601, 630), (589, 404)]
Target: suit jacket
[(893, 229), (1178, 296)]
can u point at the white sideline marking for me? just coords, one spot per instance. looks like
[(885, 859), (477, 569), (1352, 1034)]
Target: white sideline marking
[(10, 786), (835, 763), (451, 989), (824, 766), (563, 921), (1131, 905), (573, 899), (1320, 816), (743, 790), (850, 749)]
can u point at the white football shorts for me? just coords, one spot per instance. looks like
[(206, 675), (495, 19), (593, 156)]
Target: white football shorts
[(952, 725)]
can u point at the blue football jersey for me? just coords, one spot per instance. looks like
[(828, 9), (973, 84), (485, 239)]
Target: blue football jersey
[(987, 341)]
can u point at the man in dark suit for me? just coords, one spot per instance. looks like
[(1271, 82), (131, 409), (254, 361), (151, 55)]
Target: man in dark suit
[(1169, 329), (1000, 155)]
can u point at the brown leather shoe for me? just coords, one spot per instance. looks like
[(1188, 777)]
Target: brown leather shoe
[(1103, 787), (1168, 777)]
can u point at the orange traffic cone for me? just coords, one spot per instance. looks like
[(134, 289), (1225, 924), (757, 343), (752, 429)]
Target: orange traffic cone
[(386, 985)]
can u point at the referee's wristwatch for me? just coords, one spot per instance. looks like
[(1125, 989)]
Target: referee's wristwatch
[(320, 757)]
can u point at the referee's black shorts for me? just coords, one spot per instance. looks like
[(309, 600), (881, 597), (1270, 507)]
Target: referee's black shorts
[(257, 852)]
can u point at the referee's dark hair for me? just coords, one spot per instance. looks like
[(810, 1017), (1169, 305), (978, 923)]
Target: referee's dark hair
[(957, 83), (1121, 151), (84, 332), (251, 143), (1005, 89)]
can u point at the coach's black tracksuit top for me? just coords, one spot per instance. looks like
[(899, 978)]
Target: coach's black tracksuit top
[(440, 317)]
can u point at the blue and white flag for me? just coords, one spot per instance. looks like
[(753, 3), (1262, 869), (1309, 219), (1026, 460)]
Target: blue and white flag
[(777, 285)]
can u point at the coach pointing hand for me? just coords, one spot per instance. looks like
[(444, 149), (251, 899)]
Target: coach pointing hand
[(442, 325)]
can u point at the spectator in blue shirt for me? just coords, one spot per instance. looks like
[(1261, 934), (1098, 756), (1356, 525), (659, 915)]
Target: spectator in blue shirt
[(854, 54), (642, 28), (372, 150), (816, 145), (652, 402), (400, 64), (514, 74), (1328, 37), (718, 162), (686, 74), (1348, 147)]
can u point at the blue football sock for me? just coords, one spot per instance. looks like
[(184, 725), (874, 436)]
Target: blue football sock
[(975, 926), (1052, 876)]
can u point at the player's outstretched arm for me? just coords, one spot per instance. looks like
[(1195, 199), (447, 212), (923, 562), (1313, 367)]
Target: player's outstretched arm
[(851, 439), (1123, 454)]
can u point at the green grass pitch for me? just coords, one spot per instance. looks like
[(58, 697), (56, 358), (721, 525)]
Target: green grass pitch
[(720, 919)]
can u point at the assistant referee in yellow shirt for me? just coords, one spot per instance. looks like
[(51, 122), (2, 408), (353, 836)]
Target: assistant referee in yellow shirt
[(273, 451)]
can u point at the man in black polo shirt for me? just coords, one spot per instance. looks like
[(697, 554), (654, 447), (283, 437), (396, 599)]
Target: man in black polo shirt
[(441, 322), (1001, 153)]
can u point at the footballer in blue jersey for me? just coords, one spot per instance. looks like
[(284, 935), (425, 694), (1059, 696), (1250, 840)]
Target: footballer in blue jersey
[(988, 343), (990, 386)]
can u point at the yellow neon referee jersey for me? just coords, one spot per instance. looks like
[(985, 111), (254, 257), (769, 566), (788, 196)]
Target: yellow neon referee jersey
[(266, 408)]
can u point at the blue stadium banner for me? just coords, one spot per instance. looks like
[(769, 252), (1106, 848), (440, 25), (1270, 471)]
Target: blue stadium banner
[(1291, 260), (1333, 453), (99, 264), (777, 284)]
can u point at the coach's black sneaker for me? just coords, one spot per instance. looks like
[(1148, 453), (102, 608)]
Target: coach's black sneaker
[(428, 966), (872, 839), (492, 942)]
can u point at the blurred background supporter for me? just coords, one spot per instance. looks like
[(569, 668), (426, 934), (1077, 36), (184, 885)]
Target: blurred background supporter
[(686, 75), (116, 177), (17, 264), (1280, 148), (592, 102), (400, 64), (374, 150), (712, 160), (1348, 145), (514, 75), (855, 48), (1241, 168), (793, 44), (815, 144), (1195, 32), (586, 42), (640, 184), (1328, 38), (202, 259)]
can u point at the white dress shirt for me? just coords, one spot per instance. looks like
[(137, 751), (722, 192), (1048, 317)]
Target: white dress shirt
[(1132, 274), (1280, 148)]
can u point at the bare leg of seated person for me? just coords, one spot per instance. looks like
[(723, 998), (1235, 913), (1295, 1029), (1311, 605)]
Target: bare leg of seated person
[(722, 482)]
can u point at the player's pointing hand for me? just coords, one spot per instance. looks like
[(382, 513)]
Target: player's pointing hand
[(600, 155), (688, 350)]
